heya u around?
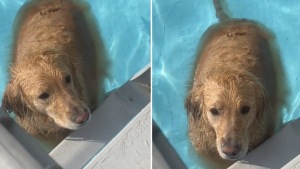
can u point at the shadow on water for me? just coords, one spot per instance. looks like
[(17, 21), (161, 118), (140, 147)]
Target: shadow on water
[(96, 62), (282, 89)]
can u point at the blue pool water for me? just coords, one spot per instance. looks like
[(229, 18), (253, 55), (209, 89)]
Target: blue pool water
[(177, 28), (125, 30)]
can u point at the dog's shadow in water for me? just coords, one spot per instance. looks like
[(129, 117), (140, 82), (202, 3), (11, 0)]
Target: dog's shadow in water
[(96, 60)]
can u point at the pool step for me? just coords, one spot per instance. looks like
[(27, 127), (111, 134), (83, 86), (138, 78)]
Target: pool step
[(130, 148), (164, 155), (18, 150), (280, 151)]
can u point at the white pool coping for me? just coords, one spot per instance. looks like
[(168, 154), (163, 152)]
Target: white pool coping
[(130, 148)]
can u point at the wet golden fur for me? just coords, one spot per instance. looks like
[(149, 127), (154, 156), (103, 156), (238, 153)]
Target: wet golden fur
[(234, 70), (52, 40)]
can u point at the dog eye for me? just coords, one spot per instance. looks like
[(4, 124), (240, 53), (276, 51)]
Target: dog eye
[(214, 111), (44, 96), (68, 79), (245, 109)]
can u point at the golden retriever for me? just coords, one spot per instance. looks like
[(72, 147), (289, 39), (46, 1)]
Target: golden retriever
[(52, 86), (231, 103)]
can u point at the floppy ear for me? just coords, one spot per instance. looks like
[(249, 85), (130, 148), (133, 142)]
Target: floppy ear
[(194, 103), (13, 101), (262, 100)]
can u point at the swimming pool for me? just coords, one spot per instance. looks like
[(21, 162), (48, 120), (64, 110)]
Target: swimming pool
[(177, 28), (125, 31)]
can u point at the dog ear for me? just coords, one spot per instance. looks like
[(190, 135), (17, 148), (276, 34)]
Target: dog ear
[(13, 101), (194, 103)]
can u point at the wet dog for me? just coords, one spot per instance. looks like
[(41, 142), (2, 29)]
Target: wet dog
[(52, 85), (232, 99)]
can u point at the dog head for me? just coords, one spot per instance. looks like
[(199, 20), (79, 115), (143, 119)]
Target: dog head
[(47, 84), (229, 102)]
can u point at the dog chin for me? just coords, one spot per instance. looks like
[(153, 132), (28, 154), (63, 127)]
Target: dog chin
[(235, 158)]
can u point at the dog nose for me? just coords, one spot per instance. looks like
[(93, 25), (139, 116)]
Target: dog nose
[(230, 151), (80, 119)]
